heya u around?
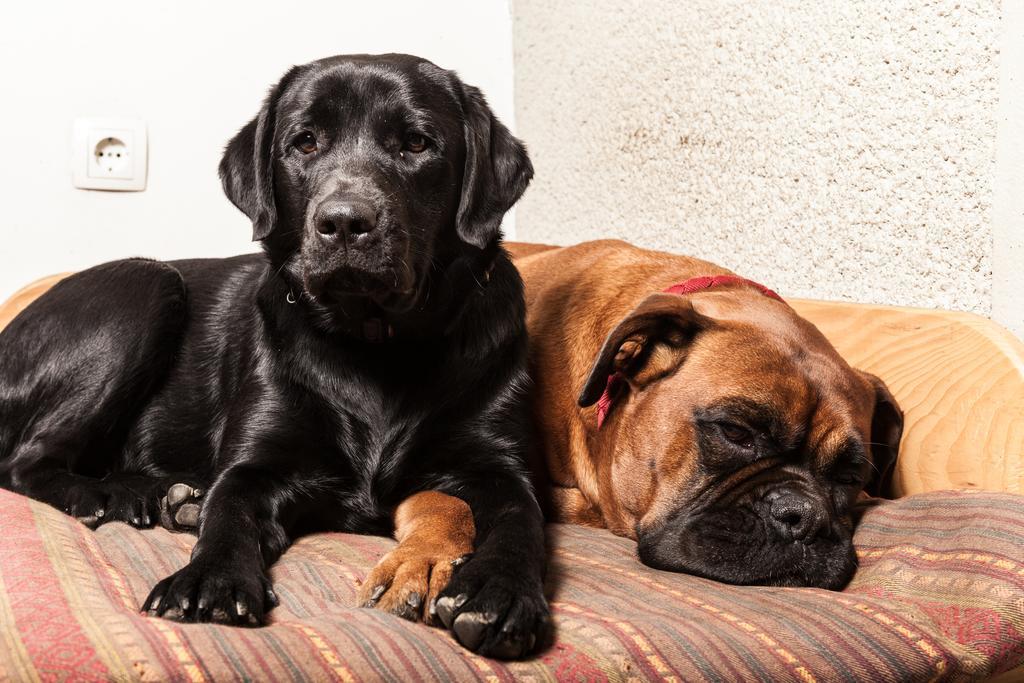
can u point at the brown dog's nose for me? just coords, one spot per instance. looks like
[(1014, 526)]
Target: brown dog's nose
[(340, 219), (794, 516)]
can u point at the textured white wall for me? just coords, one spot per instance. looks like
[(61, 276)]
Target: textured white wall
[(195, 72), (836, 150), (1008, 200)]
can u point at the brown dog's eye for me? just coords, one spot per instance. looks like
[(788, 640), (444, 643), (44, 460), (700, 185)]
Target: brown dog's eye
[(305, 142), (415, 143), (737, 435), (847, 479)]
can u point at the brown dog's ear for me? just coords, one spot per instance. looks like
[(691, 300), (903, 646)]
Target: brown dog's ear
[(886, 432), (648, 344), (496, 173), (247, 167)]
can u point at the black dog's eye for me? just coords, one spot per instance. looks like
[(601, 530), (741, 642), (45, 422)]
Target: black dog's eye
[(305, 142), (737, 435), (414, 143)]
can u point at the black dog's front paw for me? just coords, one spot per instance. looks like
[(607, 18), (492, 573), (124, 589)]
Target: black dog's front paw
[(493, 611), (212, 592), (118, 498), (180, 507)]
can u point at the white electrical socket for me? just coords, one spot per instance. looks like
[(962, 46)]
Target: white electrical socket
[(110, 154)]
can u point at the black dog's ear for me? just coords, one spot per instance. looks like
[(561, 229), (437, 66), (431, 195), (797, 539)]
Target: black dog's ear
[(649, 343), (886, 432), (496, 174), (247, 167)]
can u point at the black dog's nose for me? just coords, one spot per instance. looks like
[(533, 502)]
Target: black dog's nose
[(339, 219), (795, 517)]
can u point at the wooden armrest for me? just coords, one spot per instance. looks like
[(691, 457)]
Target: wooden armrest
[(26, 295)]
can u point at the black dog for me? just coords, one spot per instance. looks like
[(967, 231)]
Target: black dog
[(377, 349)]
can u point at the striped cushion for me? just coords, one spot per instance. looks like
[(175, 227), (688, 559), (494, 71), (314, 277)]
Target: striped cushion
[(939, 595)]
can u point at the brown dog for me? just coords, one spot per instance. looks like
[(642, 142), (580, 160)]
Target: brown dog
[(733, 439)]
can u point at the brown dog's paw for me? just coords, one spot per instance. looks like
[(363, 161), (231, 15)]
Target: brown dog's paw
[(435, 533), (408, 579)]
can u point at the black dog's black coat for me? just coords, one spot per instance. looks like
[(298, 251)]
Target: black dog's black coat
[(376, 349)]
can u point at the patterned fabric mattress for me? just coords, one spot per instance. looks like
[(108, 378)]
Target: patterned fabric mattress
[(939, 595)]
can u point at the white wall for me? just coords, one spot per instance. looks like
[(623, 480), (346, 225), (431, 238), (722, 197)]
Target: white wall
[(1008, 200), (195, 72), (849, 149)]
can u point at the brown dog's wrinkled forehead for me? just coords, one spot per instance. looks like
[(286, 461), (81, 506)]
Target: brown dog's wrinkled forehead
[(766, 357)]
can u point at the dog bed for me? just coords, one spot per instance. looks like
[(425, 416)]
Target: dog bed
[(939, 595)]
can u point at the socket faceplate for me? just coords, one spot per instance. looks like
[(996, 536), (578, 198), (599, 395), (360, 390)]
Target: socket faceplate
[(109, 154)]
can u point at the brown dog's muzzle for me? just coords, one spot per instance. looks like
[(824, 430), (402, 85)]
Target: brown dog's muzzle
[(787, 536), (795, 516)]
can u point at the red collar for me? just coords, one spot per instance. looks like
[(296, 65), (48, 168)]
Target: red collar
[(695, 284), (613, 388)]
